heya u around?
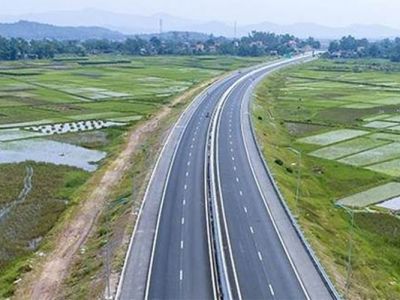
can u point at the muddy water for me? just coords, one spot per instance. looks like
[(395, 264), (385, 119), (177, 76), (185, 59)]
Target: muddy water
[(41, 150)]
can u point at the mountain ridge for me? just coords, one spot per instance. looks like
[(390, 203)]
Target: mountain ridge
[(36, 31), (131, 24)]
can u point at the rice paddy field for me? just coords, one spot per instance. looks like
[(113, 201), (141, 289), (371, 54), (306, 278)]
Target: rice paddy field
[(343, 116), (61, 121)]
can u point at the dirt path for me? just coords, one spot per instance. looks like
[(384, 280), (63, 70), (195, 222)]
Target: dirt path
[(44, 282)]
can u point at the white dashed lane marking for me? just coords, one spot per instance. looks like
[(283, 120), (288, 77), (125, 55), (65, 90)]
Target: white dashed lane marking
[(272, 290), (260, 256)]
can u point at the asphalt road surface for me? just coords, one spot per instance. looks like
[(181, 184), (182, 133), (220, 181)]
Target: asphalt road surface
[(177, 262)]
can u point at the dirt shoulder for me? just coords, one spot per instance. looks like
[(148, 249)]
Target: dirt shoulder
[(45, 280)]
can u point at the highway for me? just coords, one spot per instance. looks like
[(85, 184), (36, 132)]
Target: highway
[(174, 250), (181, 265), (256, 248)]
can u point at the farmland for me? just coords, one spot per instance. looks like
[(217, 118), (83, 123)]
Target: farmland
[(343, 116), (67, 119)]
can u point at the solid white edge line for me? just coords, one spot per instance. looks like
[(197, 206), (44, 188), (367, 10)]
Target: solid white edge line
[(271, 289)]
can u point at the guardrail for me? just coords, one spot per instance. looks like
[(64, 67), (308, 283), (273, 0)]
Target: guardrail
[(222, 280), (331, 288)]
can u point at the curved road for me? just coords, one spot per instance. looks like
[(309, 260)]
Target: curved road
[(171, 255)]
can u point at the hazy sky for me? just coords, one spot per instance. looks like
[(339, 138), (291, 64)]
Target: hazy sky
[(327, 12)]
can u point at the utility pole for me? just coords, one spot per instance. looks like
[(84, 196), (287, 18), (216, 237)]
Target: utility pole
[(298, 184), (107, 250), (161, 26), (350, 249), (235, 30)]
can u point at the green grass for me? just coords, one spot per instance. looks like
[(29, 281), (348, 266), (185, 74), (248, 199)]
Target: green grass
[(279, 102), (132, 90), (53, 188)]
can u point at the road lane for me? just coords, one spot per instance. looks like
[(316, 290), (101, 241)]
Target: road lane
[(181, 265), (256, 248)]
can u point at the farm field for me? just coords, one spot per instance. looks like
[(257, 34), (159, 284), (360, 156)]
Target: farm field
[(65, 120), (342, 116)]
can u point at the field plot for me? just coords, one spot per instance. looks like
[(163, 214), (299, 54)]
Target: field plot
[(137, 86), (392, 204), (372, 196), (374, 156), (391, 168), (377, 117), (16, 134), (380, 124), (393, 119), (385, 137), (61, 128), (395, 128), (347, 148), (361, 105), (333, 137)]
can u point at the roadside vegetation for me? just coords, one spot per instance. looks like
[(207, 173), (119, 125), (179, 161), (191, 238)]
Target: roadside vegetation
[(66, 100), (324, 109), (350, 47), (170, 43), (24, 225)]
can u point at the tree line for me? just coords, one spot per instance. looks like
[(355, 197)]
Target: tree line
[(255, 44), (350, 47)]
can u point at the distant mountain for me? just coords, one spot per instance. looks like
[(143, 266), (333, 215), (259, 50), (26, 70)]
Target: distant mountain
[(36, 31), (137, 24), (183, 36)]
